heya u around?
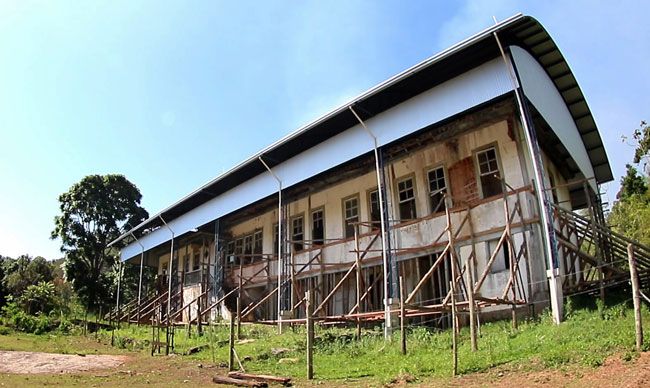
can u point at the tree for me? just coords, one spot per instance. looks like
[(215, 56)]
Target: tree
[(95, 212), (630, 214), (24, 272), (642, 137), (632, 184)]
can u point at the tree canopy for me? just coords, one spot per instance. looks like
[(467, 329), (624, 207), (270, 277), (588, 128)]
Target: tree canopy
[(630, 214), (94, 212)]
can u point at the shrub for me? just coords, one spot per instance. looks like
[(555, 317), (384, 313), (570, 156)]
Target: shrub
[(16, 318)]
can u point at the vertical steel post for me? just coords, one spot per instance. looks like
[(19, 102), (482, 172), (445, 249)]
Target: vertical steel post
[(140, 279), (384, 254), (169, 271), (548, 231), (280, 242)]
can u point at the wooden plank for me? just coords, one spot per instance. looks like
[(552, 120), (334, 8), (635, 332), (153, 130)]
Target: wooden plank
[(237, 382), (262, 378)]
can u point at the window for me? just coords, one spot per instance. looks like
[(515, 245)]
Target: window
[(275, 239), (230, 252), (197, 261), (350, 215), (164, 268), (437, 189), (239, 250), (248, 249), (375, 211), (317, 227), (257, 244), (186, 263), (502, 259), (406, 199), (297, 233), (489, 174)]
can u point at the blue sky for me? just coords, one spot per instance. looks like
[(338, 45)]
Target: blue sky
[(171, 94)]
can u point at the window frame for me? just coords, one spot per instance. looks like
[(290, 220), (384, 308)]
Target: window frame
[(297, 247), (445, 177), (258, 232), (374, 226), (196, 261), (399, 180), (344, 213), (477, 166), (314, 242)]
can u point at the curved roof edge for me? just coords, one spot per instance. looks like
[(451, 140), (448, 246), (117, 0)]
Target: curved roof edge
[(524, 31)]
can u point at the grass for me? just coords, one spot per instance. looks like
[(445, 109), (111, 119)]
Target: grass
[(586, 338)]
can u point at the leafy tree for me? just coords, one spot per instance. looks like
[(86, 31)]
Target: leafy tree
[(25, 271), (632, 184), (642, 137), (630, 214), (39, 298), (3, 288), (94, 212)]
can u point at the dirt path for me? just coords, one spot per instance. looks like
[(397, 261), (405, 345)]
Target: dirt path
[(613, 373), (37, 362)]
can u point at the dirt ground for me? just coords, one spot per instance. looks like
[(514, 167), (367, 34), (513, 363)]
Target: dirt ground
[(615, 372), (37, 362)]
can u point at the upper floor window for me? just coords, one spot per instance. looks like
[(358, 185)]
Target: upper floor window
[(437, 189), (297, 233), (230, 251), (350, 215), (317, 227), (186, 263), (239, 250), (489, 173), (375, 210), (196, 263), (248, 248), (257, 244), (406, 199)]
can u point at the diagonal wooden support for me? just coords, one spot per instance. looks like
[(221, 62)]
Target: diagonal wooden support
[(488, 266), (250, 309), (427, 275), (365, 294), (347, 274), (336, 288)]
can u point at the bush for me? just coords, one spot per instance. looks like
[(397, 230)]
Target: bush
[(19, 320)]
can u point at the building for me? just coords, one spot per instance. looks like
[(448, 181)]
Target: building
[(460, 176)]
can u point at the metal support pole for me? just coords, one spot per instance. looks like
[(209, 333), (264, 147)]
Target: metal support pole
[(279, 242), (634, 277), (140, 279), (548, 231), (402, 315), (358, 277), (119, 283), (384, 253), (169, 271), (310, 334)]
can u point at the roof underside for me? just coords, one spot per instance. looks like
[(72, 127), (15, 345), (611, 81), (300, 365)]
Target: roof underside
[(523, 31)]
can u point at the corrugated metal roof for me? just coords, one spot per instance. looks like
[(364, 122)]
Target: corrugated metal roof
[(520, 30)]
